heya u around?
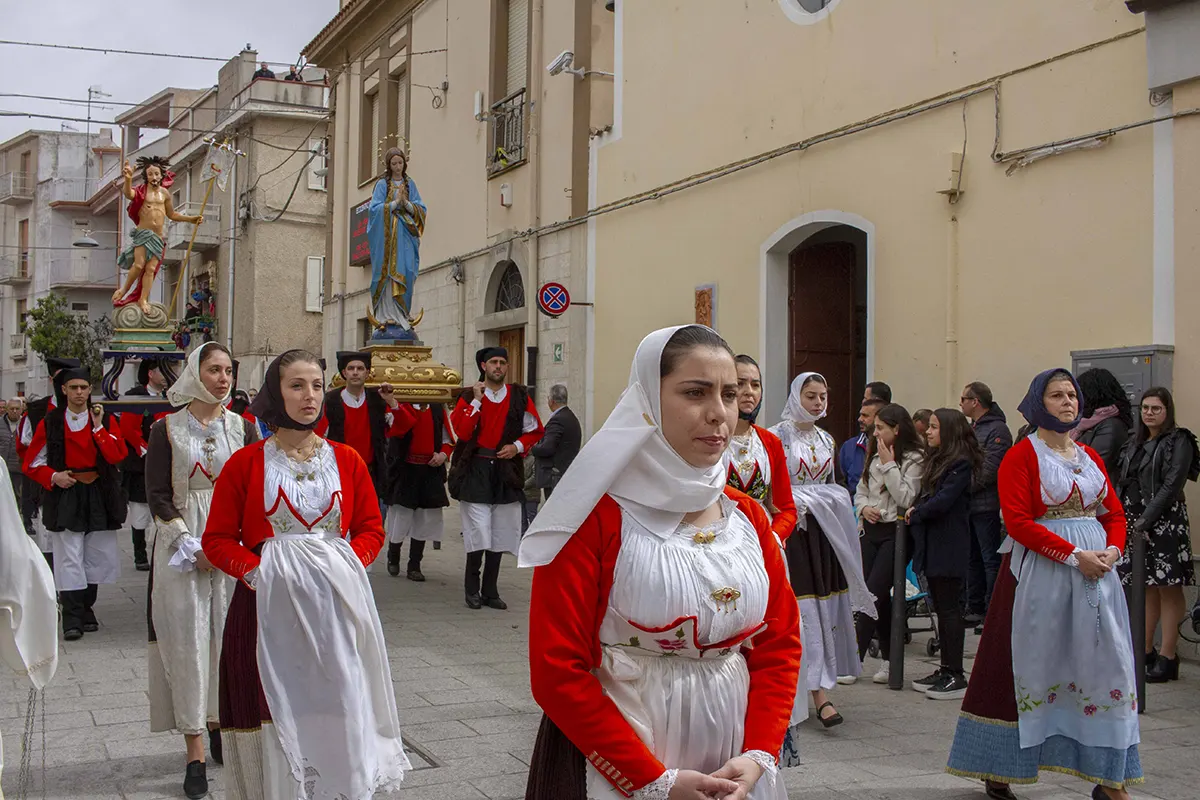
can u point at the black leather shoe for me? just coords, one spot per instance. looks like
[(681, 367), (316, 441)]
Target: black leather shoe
[(72, 634), (214, 746), (496, 603), (416, 575), (141, 566), (393, 568), (437, 545), (195, 781), (998, 791), (1164, 669), (91, 627), (474, 601)]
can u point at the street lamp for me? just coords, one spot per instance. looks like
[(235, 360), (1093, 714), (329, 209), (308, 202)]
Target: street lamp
[(85, 241)]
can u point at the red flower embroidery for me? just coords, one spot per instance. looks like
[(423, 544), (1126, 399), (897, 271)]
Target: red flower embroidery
[(1070, 687), (1050, 698), (1116, 695), (1089, 710), (671, 645)]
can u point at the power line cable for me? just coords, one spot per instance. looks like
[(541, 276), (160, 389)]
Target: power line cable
[(111, 50)]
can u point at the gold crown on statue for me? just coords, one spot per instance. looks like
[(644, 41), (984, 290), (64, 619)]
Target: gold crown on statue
[(400, 142)]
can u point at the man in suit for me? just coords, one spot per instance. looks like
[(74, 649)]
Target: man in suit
[(560, 444)]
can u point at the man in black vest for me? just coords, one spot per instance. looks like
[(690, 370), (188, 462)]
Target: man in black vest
[(73, 456), (136, 430), (35, 412), (495, 422), (364, 419), (416, 487)]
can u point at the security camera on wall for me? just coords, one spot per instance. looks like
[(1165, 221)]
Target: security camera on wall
[(563, 62)]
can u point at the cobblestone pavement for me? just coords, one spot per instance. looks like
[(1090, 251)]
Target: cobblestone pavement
[(462, 687)]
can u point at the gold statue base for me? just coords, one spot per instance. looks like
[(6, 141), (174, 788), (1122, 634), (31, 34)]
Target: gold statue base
[(134, 329), (413, 374)]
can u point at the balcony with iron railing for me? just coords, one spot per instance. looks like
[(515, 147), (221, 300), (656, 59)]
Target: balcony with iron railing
[(15, 269), (16, 187), (81, 272), (507, 133), (72, 190), (208, 235), (16, 346)]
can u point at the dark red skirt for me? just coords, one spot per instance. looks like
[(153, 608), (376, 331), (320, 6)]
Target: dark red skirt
[(243, 703)]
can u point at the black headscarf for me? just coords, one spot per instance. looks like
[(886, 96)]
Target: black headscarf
[(1033, 407), (55, 364), (487, 354), (344, 357), (68, 374), (751, 417), (268, 404)]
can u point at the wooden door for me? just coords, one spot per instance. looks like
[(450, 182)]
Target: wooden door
[(513, 340), (823, 336), (23, 248)]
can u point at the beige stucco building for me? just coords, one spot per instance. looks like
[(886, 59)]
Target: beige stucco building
[(926, 193), (499, 151), (259, 254)]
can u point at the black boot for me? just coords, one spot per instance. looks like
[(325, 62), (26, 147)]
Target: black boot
[(416, 551), (72, 613), (195, 781), (1164, 669), (471, 579), (140, 562), (491, 575), (214, 745), (394, 558), (90, 623)]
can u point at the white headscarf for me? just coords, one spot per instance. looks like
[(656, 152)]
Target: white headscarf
[(795, 411), (189, 386), (28, 604), (630, 460)]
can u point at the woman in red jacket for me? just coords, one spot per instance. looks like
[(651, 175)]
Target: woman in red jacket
[(306, 691), (1053, 686), (660, 600)]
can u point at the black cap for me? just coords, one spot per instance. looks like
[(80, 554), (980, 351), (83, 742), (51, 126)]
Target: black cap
[(53, 365), (346, 357), (487, 354)]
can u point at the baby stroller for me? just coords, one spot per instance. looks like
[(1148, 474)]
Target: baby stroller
[(917, 605)]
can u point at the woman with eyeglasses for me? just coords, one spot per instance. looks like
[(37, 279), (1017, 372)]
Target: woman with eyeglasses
[(1156, 463)]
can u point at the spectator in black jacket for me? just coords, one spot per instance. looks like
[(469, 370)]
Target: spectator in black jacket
[(263, 71), (560, 443), (1107, 417), (995, 439)]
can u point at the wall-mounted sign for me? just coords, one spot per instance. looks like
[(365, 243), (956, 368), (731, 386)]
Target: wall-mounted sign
[(360, 249), (558, 353), (553, 299)]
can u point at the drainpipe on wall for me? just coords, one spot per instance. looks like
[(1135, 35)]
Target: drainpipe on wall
[(535, 176), (233, 221), (952, 384)]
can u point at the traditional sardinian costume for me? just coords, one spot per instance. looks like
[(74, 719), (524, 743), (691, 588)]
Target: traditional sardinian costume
[(136, 430), (307, 706), (32, 491), (641, 624), (1053, 686), (416, 490)]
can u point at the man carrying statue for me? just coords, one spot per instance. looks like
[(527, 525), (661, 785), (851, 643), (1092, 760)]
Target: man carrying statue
[(150, 206)]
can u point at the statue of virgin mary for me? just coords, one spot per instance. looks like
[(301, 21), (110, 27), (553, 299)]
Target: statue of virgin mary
[(395, 222)]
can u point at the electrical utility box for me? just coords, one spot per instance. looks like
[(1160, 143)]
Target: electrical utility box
[(1137, 368)]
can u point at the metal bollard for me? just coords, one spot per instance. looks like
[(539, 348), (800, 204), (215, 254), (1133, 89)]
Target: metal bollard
[(1137, 612), (899, 615)]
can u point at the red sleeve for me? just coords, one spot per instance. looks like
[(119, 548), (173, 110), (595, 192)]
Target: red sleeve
[(786, 515), (1113, 520), (569, 598), (403, 420), (462, 420), (322, 426), (365, 525), (18, 435), (45, 472), (131, 430), (447, 434), (774, 657), (1020, 503), (222, 539), (111, 443), (528, 440)]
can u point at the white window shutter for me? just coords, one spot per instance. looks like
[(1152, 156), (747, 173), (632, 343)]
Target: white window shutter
[(316, 181), (518, 44), (313, 283)]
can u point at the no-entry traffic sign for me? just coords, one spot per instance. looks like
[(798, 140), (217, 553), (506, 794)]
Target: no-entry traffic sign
[(553, 299)]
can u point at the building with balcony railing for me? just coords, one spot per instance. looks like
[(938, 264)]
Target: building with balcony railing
[(499, 149), (256, 260), (54, 187)]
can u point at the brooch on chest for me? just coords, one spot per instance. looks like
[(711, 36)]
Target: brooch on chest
[(727, 598)]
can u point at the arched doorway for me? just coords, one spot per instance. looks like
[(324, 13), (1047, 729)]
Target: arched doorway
[(510, 295), (817, 278), (827, 303)]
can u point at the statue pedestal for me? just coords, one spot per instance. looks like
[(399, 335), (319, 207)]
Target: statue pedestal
[(135, 330), (412, 373)]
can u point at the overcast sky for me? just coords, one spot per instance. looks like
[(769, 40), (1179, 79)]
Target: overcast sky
[(219, 28)]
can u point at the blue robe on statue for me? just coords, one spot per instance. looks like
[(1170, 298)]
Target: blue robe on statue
[(394, 231)]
